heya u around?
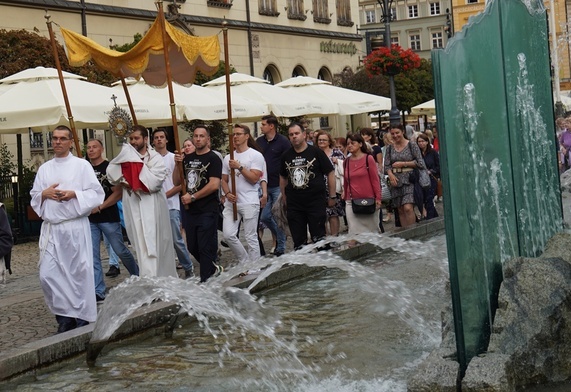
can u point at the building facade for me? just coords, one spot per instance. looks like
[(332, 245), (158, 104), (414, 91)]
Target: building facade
[(464, 9), (271, 39), (420, 25)]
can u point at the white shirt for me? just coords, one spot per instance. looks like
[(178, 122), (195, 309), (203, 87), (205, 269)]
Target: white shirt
[(173, 202), (250, 159)]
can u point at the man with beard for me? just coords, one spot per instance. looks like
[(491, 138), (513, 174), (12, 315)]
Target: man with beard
[(203, 171), (141, 171)]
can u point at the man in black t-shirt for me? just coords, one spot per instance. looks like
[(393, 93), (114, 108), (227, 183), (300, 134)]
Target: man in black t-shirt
[(105, 220), (203, 171), (302, 183)]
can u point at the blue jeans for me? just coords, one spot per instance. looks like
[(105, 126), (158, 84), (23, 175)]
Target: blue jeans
[(179, 245), (202, 239), (113, 258), (268, 219), (112, 231)]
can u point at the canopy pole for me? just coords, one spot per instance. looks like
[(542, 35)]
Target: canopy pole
[(128, 96), (171, 93), (229, 110), (62, 84)]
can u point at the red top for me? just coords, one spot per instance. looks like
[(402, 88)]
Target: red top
[(363, 184)]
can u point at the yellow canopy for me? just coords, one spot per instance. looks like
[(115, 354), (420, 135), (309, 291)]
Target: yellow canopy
[(187, 54)]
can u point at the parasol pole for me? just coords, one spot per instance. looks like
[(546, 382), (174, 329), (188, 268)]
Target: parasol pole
[(62, 83), (229, 110), (128, 96), (171, 93)]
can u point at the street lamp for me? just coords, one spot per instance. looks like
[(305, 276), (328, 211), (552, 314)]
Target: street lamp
[(386, 9), (16, 209)]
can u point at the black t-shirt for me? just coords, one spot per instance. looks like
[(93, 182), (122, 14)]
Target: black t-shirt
[(305, 172), (109, 214), (273, 152), (197, 170)]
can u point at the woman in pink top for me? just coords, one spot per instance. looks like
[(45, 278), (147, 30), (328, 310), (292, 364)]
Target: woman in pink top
[(361, 180)]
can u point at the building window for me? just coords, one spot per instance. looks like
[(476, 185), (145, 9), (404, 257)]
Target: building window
[(437, 41), (321, 12), (268, 7), (471, 1), (435, 8), (414, 41), (395, 40), (393, 14), (413, 11), (370, 16), (295, 10), (219, 3), (344, 13)]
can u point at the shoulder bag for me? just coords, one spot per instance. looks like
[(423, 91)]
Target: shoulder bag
[(364, 206)]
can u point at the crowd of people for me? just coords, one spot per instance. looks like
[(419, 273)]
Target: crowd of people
[(175, 204)]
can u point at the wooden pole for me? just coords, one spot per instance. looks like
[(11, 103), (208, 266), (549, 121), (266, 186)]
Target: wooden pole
[(128, 96), (62, 84), (171, 93), (229, 110)]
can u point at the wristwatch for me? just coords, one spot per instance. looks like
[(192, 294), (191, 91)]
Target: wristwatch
[(241, 168), (333, 197), (192, 198)]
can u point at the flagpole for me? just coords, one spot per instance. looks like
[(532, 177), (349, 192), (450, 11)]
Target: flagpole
[(62, 83), (229, 110), (171, 93)]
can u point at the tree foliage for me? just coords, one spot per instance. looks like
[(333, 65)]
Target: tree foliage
[(412, 88), (7, 166), (22, 49)]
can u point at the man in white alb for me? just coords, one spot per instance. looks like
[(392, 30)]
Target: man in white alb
[(65, 192), (141, 171)]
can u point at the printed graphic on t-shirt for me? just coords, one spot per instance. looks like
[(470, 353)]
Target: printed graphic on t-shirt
[(196, 175), (300, 172), (102, 178)]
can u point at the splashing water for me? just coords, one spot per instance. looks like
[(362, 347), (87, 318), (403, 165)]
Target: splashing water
[(344, 330)]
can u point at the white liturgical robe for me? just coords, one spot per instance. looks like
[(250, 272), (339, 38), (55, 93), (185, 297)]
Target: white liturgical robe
[(147, 219), (66, 254)]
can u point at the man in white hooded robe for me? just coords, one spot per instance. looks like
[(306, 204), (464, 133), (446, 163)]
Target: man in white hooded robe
[(141, 171), (64, 193)]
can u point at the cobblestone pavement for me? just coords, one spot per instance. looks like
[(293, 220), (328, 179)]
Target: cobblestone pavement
[(24, 316)]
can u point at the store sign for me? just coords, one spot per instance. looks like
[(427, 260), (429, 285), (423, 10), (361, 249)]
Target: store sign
[(335, 47)]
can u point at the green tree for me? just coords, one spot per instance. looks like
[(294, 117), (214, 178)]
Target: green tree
[(7, 166), (22, 49), (128, 46), (411, 89)]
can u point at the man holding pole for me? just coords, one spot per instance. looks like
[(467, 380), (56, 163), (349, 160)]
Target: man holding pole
[(203, 171)]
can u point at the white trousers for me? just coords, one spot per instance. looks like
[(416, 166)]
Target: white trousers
[(248, 213)]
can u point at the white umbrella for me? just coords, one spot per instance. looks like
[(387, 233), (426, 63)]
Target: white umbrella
[(347, 101), (427, 108), (281, 102), (32, 74), (197, 103), (37, 100)]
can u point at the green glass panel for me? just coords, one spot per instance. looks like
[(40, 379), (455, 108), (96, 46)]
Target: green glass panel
[(495, 122)]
